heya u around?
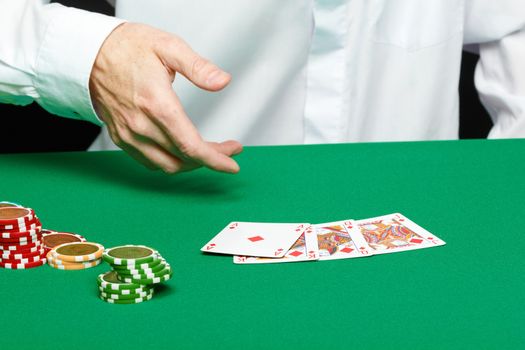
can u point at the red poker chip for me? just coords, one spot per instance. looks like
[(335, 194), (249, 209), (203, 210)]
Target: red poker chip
[(21, 234), (17, 256), (22, 251), (16, 216), (21, 226), (21, 266), (16, 246), (21, 240), (55, 239), (29, 260)]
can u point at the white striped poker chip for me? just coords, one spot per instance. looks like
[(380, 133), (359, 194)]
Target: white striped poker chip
[(109, 280), (125, 291), (21, 228), (146, 269), (32, 232), (21, 266), (17, 256), (133, 255), (147, 275), (74, 266), (23, 260), (19, 218), (9, 249), (130, 301), (146, 281), (158, 260), (25, 240), (59, 252), (118, 297)]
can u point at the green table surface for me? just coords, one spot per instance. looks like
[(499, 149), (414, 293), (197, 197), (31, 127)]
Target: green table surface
[(467, 294)]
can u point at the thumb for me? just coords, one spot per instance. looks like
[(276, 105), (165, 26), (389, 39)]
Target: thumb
[(181, 58)]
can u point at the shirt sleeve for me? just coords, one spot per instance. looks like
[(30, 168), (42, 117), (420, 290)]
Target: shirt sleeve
[(496, 30), (47, 52), (500, 80)]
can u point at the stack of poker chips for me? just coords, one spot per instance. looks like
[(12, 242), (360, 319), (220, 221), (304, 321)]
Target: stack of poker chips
[(136, 269), (20, 237), (75, 256)]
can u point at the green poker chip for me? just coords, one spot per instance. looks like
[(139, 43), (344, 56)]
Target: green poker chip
[(148, 265), (160, 273), (127, 301), (133, 271), (127, 255), (147, 281), (126, 296), (109, 280), (126, 291)]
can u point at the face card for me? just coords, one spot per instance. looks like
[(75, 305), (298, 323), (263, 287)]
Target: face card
[(395, 232), (304, 249), (255, 239), (340, 240)]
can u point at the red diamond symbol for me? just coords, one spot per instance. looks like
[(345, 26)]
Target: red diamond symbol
[(296, 253), (416, 240), (347, 250), (255, 238)]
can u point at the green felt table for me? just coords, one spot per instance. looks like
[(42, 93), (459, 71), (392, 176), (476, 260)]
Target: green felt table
[(469, 293)]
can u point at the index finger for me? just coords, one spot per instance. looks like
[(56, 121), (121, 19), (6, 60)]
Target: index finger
[(172, 119)]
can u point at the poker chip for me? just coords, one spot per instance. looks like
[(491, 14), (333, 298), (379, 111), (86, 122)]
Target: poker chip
[(129, 255), (150, 265), (21, 240), (13, 217), (14, 246), (21, 249), (109, 280), (147, 281), (21, 266), (116, 296), (127, 301), (32, 225), (52, 239), (78, 251), (146, 275), (14, 256), (16, 235), (125, 291), (74, 266), (27, 260), (130, 271)]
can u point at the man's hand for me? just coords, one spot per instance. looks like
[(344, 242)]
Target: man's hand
[(131, 89)]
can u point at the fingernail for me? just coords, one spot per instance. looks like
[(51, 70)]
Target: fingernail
[(217, 77)]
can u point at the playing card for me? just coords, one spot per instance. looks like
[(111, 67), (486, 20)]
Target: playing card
[(340, 240), (395, 232), (255, 239), (304, 249)]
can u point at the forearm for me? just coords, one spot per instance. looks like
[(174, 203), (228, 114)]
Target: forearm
[(47, 53)]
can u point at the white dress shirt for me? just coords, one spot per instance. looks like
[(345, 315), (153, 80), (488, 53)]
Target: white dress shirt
[(46, 55), (304, 71)]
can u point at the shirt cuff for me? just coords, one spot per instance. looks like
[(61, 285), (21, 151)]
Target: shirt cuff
[(63, 67)]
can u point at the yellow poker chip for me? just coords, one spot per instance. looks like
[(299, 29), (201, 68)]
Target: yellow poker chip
[(60, 265), (77, 251)]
